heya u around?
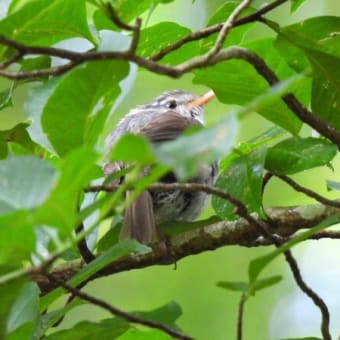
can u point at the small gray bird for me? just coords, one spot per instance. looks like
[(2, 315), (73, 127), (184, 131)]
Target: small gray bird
[(161, 120)]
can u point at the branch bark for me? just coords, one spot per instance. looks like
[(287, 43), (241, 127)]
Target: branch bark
[(284, 221)]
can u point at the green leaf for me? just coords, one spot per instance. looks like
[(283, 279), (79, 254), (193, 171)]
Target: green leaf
[(19, 135), (333, 185), (186, 153), (17, 237), (24, 311), (326, 87), (9, 292), (297, 154), (295, 4), (104, 329), (45, 22), (47, 320), (114, 253), (264, 283), (132, 148), (166, 314), (243, 180), (264, 139), (61, 208), (161, 35), (237, 286), (33, 108), (158, 36), (26, 181), (130, 9), (230, 80), (316, 40), (257, 265), (314, 34), (87, 93), (6, 97)]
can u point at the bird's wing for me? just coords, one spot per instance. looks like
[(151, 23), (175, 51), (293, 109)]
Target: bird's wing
[(167, 126)]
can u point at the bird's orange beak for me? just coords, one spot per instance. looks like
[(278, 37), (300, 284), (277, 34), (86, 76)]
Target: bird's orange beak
[(202, 100)]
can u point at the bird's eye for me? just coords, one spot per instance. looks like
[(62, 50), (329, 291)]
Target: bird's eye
[(172, 104)]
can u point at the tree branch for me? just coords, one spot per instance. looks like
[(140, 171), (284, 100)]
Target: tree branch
[(196, 62), (240, 314), (226, 27), (284, 222), (308, 192), (205, 32)]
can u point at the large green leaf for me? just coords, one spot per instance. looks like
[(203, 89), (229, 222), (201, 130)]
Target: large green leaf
[(26, 181), (60, 209), (295, 4), (297, 154), (76, 109), (132, 148), (24, 313), (315, 42), (166, 314), (318, 34), (156, 37), (115, 252), (9, 292), (230, 80), (45, 22), (17, 237), (241, 179), (33, 108), (326, 87)]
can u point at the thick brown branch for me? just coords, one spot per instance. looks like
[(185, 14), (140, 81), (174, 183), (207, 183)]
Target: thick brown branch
[(197, 62), (284, 222)]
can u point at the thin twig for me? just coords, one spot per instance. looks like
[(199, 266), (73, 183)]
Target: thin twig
[(112, 14), (240, 314), (318, 301), (226, 27), (116, 311), (266, 178), (84, 251), (308, 192), (15, 57), (205, 32), (53, 71), (135, 36)]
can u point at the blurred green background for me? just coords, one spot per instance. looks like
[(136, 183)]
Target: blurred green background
[(208, 311)]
